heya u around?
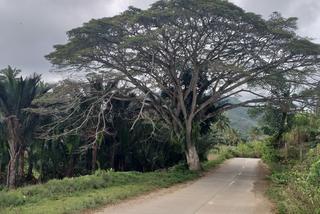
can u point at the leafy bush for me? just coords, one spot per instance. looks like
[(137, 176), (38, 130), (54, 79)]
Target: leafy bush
[(204, 146), (256, 149), (314, 174), (12, 199), (280, 178), (221, 153), (245, 150)]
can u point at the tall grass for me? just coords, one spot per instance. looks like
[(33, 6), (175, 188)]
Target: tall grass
[(72, 195), (295, 185)]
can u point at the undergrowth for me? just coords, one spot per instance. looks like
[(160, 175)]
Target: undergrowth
[(295, 185), (72, 195)]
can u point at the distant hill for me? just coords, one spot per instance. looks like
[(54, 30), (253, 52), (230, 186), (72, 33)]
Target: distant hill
[(240, 119)]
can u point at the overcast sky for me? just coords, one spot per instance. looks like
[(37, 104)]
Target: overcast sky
[(29, 28)]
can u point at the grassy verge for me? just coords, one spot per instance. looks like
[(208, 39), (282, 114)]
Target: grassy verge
[(295, 185), (72, 195)]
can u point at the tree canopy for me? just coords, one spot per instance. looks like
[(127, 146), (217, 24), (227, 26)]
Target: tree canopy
[(185, 58)]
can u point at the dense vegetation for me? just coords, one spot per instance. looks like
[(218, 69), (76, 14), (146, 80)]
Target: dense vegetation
[(104, 187), (295, 167), (295, 175), (158, 83), (185, 58), (48, 146), (294, 182)]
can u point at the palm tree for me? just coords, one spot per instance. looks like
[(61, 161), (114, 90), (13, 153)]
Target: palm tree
[(3, 152), (16, 94)]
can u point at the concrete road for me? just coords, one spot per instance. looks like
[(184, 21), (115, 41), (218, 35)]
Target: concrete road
[(237, 186)]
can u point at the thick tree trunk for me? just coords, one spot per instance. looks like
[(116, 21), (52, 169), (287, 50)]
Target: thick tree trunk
[(193, 158), (0, 168), (41, 177), (282, 129), (69, 171), (300, 142), (94, 157), (12, 172), (14, 141), (21, 165), (112, 156), (286, 150), (30, 168), (191, 151)]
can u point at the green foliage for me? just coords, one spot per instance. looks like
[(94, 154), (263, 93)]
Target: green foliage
[(222, 133), (168, 31), (247, 150), (16, 124), (314, 174), (295, 185), (147, 147), (296, 175), (180, 52), (256, 149), (280, 178), (204, 146), (16, 93), (220, 154), (104, 187), (101, 181)]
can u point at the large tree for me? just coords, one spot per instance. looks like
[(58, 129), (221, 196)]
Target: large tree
[(188, 56)]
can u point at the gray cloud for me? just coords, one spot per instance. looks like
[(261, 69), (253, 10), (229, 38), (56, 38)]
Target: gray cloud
[(306, 10), (29, 28)]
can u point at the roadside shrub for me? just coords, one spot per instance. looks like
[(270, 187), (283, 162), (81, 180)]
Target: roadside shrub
[(68, 185), (280, 178), (204, 146), (223, 152), (301, 195), (11, 199), (268, 153), (256, 149), (179, 167), (314, 174), (296, 185), (55, 188), (245, 150), (219, 154)]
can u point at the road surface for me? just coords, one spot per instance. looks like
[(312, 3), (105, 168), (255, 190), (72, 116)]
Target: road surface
[(236, 186)]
